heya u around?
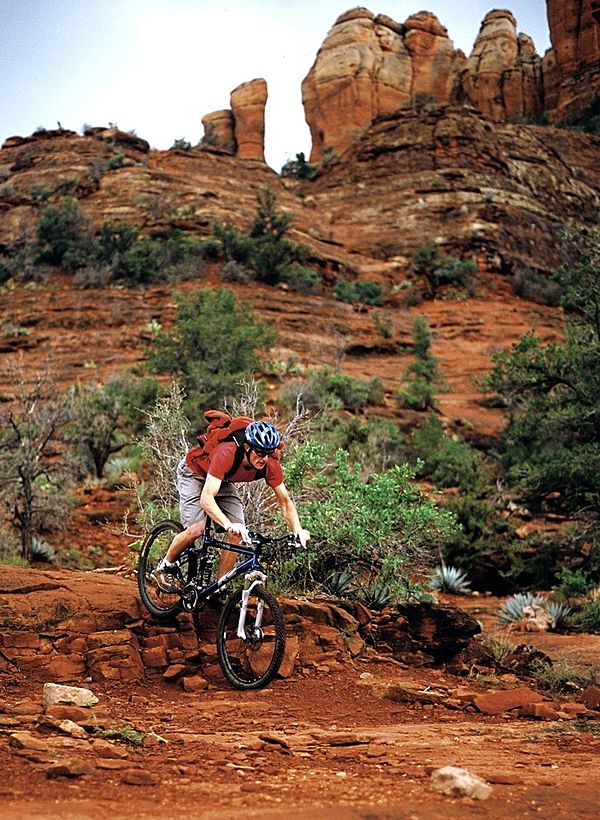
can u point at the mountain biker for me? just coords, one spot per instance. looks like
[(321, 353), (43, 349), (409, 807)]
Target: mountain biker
[(210, 490)]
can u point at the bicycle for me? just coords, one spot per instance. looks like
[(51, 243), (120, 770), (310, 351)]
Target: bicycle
[(251, 629)]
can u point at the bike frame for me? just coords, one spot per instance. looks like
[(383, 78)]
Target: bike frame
[(251, 567)]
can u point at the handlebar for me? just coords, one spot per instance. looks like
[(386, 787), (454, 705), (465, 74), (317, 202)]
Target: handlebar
[(288, 540)]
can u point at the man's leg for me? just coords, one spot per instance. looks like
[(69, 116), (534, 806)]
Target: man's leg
[(184, 539)]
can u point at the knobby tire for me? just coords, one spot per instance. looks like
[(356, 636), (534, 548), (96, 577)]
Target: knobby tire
[(163, 606), (251, 663)]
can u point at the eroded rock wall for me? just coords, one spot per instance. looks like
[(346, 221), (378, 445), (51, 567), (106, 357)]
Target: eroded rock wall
[(370, 66), (575, 35)]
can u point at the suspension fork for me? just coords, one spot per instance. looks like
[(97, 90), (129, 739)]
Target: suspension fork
[(251, 580)]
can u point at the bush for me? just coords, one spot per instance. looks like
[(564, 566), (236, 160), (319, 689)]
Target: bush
[(323, 390), (439, 269), (298, 168), (448, 461), (368, 293), (421, 378), (302, 280), (212, 347), (383, 527), (536, 287), (64, 236)]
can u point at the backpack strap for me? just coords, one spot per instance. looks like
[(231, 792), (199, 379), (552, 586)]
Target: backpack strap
[(237, 463)]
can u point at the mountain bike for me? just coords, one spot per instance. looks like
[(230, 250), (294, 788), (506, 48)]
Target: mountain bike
[(251, 629)]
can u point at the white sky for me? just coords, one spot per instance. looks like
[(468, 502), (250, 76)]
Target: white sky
[(158, 66)]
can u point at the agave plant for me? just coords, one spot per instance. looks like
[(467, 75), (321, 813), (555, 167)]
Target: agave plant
[(449, 579), (558, 611), (512, 610), (42, 551), (341, 583), (374, 596)]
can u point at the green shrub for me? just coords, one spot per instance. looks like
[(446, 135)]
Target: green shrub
[(64, 236), (422, 379), (572, 583), (298, 168), (368, 293), (587, 619), (383, 526), (447, 460), (439, 269), (536, 287), (213, 346), (300, 279), (323, 390)]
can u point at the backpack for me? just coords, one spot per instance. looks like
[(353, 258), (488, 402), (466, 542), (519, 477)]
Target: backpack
[(221, 427)]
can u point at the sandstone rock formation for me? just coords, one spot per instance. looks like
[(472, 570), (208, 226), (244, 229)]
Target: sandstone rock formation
[(219, 130), (503, 75), (575, 35), (363, 69), (248, 103), (239, 130), (436, 64), (369, 66)]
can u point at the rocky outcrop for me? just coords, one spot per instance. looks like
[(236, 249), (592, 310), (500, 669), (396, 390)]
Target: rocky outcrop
[(219, 131), (369, 66), (575, 35), (503, 75), (498, 194), (248, 103), (239, 130), (363, 69), (436, 64)]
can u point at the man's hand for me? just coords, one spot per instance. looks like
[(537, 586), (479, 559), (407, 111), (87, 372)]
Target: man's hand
[(241, 530), (303, 536)]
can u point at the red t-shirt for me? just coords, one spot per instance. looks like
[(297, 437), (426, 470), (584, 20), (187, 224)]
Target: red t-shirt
[(222, 459)]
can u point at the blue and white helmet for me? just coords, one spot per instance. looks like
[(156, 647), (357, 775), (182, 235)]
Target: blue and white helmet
[(263, 435)]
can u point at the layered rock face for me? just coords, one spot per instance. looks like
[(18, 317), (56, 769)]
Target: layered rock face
[(240, 130), (575, 35), (248, 103)]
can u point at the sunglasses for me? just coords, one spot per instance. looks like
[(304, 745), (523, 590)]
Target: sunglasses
[(262, 453)]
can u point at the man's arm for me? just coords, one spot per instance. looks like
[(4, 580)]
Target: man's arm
[(290, 513)]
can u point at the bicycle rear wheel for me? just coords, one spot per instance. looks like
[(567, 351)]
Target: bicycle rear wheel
[(252, 661), (162, 605)]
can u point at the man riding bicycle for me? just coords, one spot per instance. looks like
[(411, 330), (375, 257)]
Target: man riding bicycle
[(206, 487)]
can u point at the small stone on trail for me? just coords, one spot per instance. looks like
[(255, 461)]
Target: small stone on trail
[(138, 777), (69, 768), (70, 695), (73, 729), (456, 782)]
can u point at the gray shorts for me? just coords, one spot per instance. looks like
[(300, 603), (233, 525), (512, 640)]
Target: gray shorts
[(190, 487)]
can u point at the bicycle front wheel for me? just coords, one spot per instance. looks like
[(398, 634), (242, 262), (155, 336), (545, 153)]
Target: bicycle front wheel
[(162, 605), (252, 660)]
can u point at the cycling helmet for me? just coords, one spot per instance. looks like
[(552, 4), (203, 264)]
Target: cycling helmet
[(263, 435)]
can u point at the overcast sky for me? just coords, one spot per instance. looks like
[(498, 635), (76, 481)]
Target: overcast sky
[(157, 66)]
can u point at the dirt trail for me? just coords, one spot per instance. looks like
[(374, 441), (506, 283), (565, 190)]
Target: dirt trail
[(323, 743)]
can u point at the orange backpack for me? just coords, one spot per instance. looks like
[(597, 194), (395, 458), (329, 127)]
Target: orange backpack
[(221, 427)]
